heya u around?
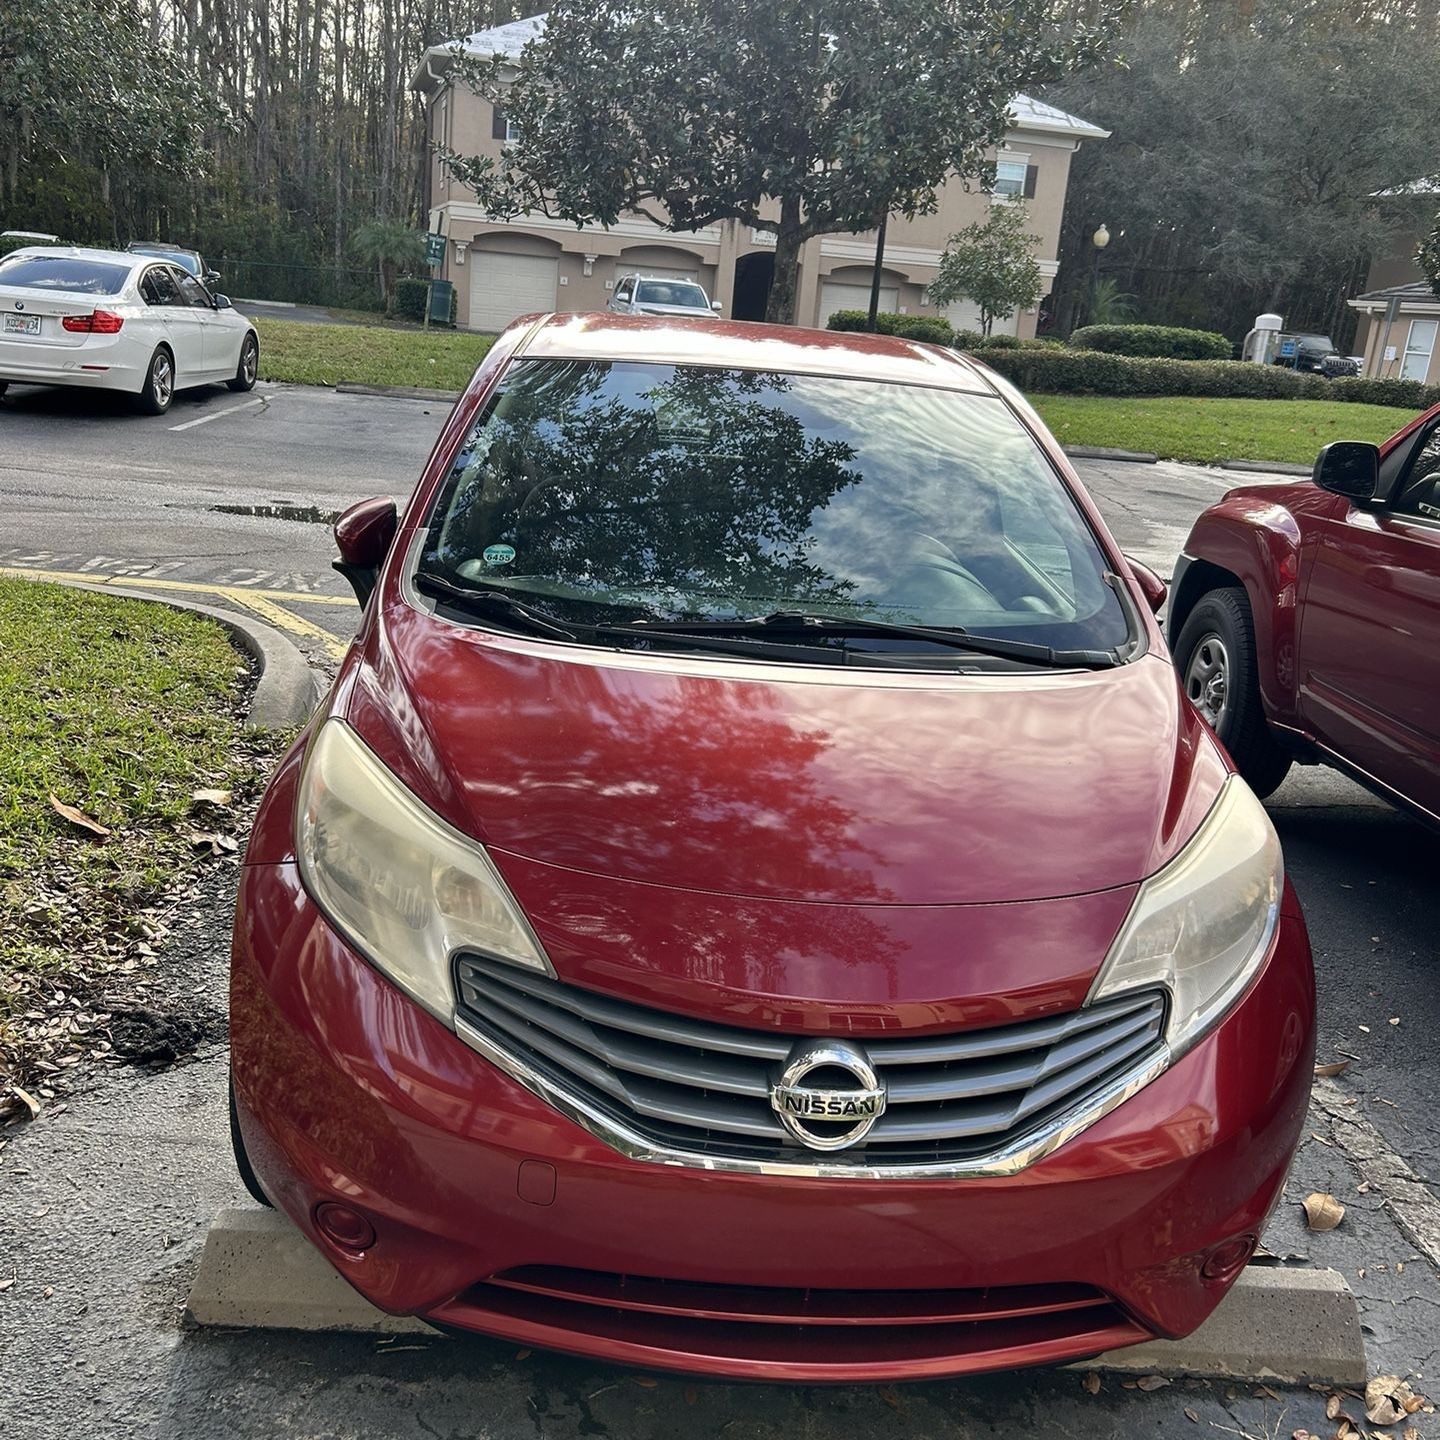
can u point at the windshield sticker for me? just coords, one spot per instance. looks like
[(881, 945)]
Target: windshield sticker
[(498, 554)]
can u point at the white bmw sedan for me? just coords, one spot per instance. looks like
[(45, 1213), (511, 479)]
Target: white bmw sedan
[(116, 321)]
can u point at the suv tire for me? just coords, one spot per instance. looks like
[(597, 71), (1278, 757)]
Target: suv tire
[(1215, 656)]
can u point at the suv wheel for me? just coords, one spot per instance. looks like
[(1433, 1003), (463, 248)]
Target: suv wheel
[(1215, 656)]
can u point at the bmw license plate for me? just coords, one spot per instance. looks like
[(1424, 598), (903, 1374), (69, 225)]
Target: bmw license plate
[(22, 324)]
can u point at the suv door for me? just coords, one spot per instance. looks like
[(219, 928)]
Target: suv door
[(1369, 644)]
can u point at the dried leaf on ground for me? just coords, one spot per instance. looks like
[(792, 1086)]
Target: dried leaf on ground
[(1091, 1382), (219, 798), (1151, 1382), (1332, 1408), (1335, 1067), (1191, 1416), (1323, 1212), (29, 1101), (1388, 1399), (78, 818)]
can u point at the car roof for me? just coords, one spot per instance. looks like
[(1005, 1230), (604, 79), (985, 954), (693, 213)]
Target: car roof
[(742, 345), (86, 252), (158, 247)]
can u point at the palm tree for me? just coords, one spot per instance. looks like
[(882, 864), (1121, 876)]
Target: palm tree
[(1109, 304), (388, 244)]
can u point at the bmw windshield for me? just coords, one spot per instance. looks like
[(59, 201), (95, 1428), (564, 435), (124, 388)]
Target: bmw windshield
[(595, 492)]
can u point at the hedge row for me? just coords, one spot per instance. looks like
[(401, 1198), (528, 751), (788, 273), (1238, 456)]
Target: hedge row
[(1091, 372), (932, 330), (1048, 367), (1153, 342)]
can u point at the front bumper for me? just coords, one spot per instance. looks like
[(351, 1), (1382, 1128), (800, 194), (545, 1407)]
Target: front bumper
[(496, 1213)]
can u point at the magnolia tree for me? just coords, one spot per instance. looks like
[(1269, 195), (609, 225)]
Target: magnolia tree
[(1429, 256), (991, 263), (801, 119)]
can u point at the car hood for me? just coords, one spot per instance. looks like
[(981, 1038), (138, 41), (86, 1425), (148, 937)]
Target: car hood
[(688, 312), (785, 782)]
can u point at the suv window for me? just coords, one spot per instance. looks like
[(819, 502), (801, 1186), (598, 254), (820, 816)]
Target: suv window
[(671, 292), (623, 292), (1419, 492)]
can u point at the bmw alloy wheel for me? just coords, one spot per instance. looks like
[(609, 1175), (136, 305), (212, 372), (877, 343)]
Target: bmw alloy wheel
[(162, 378)]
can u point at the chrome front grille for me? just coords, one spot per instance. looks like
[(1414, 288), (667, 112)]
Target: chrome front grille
[(703, 1090)]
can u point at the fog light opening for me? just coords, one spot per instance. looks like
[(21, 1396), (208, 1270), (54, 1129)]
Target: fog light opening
[(1226, 1261), (345, 1228)]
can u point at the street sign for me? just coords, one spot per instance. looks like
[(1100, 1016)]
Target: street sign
[(434, 249)]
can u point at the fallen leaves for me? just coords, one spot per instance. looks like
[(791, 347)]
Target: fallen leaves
[(79, 818), (26, 1099), (218, 798), (1329, 1071), (1322, 1212), (1091, 1382), (1389, 1399)]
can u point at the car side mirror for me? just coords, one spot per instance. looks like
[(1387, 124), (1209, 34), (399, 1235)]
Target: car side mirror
[(717, 307), (1350, 468), (222, 302), (363, 535), (1154, 589), (212, 277)]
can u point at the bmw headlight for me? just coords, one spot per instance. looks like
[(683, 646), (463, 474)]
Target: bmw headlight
[(403, 887), (1201, 927)]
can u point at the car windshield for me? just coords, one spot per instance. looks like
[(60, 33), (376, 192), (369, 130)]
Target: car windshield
[(63, 272), (616, 491), (186, 259), (671, 292)]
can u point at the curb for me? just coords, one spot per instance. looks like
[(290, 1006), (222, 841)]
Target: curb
[(399, 392), (1292, 1326), (287, 690), (1101, 452), (1267, 467)]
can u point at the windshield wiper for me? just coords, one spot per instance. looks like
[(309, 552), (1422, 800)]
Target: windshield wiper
[(800, 622), (493, 604)]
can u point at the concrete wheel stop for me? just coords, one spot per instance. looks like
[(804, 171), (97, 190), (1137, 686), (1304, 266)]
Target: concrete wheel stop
[(1277, 1324)]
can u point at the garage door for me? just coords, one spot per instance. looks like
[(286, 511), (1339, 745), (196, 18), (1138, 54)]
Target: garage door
[(834, 296), (965, 315), (503, 286)]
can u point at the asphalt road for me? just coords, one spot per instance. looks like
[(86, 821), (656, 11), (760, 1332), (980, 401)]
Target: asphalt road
[(128, 1177)]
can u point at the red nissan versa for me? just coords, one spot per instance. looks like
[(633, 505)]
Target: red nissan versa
[(756, 900)]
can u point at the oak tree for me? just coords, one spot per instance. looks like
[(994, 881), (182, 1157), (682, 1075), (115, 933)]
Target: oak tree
[(802, 119)]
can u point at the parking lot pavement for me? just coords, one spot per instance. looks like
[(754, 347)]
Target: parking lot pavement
[(104, 1204)]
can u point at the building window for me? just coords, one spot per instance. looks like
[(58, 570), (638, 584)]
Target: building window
[(1419, 347), (502, 127), (1009, 179)]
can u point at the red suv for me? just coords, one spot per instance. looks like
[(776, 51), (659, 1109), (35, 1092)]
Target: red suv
[(1306, 619), (755, 899)]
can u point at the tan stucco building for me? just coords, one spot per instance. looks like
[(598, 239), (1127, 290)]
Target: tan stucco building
[(1399, 330), (505, 269)]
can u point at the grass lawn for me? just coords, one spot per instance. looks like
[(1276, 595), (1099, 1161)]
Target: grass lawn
[(368, 355), (122, 711), (1185, 427)]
